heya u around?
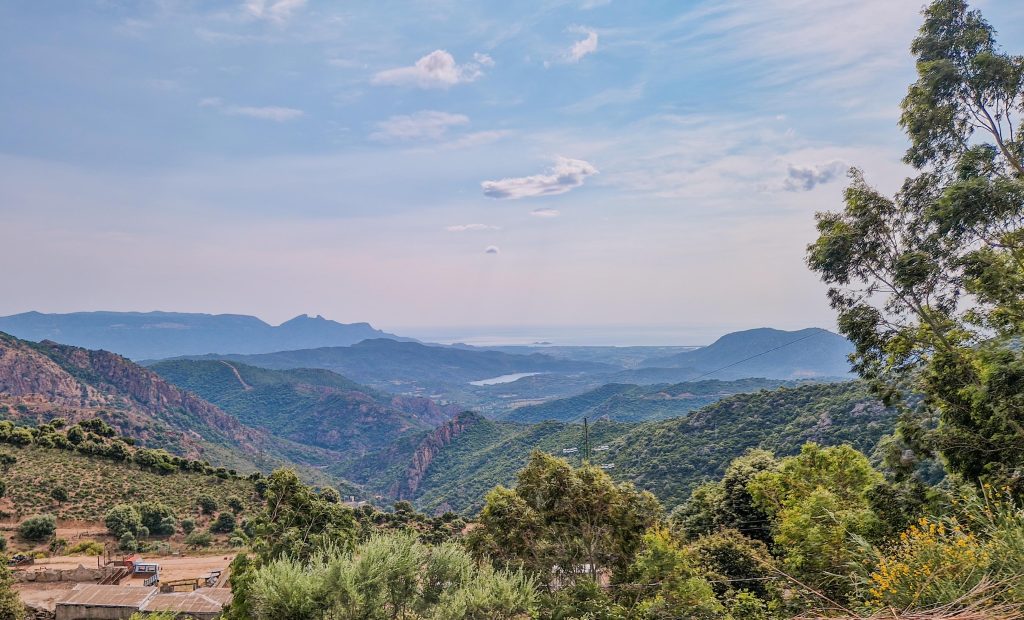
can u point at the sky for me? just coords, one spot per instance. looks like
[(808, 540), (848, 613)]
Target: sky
[(445, 166)]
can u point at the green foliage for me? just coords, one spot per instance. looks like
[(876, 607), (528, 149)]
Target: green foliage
[(236, 504), (38, 528), (388, 576), (560, 516), (728, 503), (86, 547), (199, 539), (929, 284), (939, 560), (188, 525), (123, 519), (296, 522), (127, 543), (207, 503), (224, 524), (159, 518), (11, 607), (819, 503), (669, 582)]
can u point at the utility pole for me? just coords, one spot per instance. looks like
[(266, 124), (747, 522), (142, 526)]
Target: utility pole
[(586, 442)]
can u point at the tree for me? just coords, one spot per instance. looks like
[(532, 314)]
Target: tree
[(158, 518), (669, 582), (60, 494), (578, 520), (297, 522), (11, 607), (38, 528), (929, 284), (123, 519), (818, 501)]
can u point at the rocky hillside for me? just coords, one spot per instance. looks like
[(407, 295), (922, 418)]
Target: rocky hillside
[(42, 381)]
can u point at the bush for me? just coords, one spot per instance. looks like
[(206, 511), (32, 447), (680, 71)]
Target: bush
[(207, 504), (123, 519), (60, 494), (199, 539), (235, 504), (38, 528), (87, 547), (159, 518), (188, 525), (225, 523), (127, 543)]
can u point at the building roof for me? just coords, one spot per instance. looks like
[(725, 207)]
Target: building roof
[(204, 600), (93, 595), (145, 598)]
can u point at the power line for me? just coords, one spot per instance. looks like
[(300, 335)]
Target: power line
[(747, 359)]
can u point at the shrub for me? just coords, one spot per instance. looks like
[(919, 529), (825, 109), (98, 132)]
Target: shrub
[(38, 528), (207, 504), (123, 519), (199, 539), (158, 518), (225, 523), (188, 525), (87, 547), (128, 543), (235, 504)]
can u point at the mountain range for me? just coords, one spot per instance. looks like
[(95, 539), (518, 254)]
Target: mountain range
[(768, 353), (157, 335)]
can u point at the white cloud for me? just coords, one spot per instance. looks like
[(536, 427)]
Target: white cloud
[(583, 47), (477, 138), (471, 227), (806, 178), (567, 174), (545, 212), (586, 5), (423, 125), (492, 249), (273, 10), (270, 113), (437, 69)]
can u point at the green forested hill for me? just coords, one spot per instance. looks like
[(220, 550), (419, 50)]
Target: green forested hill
[(667, 457), (310, 406), (670, 457), (638, 403)]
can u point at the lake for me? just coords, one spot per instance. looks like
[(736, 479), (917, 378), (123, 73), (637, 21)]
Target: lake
[(503, 378)]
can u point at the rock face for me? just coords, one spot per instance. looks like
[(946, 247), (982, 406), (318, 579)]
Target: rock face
[(51, 380), (424, 454)]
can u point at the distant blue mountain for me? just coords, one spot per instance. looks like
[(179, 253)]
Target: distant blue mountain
[(768, 353), (156, 335)]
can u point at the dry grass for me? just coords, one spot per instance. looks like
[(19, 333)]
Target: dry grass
[(981, 603)]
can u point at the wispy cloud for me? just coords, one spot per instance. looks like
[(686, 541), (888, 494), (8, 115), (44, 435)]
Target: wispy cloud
[(608, 97), (545, 212), (566, 175), (492, 249), (423, 125), (583, 47), (471, 227), (273, 10), (437, 69), (270, 113), (806, 178)]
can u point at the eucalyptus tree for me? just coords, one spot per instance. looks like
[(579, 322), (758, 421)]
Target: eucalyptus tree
[(929, 283)]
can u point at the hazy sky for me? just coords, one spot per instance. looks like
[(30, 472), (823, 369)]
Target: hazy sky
[(444, 163)]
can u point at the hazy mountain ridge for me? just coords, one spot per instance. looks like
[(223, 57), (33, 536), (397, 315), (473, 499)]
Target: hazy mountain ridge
[(157, 335), (776, 354)]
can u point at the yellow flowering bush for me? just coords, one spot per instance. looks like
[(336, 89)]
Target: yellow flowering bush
[(940, 560)]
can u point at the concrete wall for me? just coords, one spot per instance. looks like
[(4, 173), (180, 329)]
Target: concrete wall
[(75, 575), (86, 612)]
